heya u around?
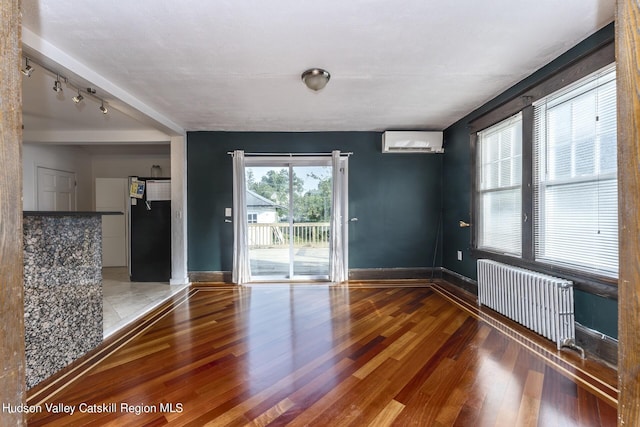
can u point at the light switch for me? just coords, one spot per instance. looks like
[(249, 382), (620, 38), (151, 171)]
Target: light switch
[(227, 211), (459, 255)]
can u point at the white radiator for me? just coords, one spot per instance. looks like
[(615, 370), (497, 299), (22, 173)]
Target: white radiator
[(537, 301)]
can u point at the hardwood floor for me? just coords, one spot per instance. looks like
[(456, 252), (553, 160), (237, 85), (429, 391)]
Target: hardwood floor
[(324, 355)]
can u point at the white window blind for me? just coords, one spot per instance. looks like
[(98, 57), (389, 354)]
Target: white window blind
[(575, 181), (499, 168)]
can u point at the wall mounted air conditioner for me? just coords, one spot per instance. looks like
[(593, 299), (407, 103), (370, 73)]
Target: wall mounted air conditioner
[(412, 142)]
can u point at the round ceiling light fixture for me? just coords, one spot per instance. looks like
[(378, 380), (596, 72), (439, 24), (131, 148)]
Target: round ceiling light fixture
[(316, 78)]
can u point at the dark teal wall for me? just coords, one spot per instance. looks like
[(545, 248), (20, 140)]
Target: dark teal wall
[(456, 200), (396, 197), (592, 311), (597, 313)]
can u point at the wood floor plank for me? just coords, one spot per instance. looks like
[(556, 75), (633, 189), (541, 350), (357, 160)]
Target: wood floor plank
[(322, 355), (388, 414), (530, 403), (467, 366), (272, 413), (388, 352), (418, 407)]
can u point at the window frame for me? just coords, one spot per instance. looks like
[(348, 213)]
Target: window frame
[(597, 58), (603, 82), (481, 192)]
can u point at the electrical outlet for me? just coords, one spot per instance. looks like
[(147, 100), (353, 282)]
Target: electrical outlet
[(459, 255)]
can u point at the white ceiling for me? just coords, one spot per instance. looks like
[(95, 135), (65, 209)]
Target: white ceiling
[(235, 65)]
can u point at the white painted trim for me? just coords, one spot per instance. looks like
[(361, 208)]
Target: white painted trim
[(84, 137), (179, 273)]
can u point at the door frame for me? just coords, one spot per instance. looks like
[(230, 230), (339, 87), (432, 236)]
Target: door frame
[(291, 161)]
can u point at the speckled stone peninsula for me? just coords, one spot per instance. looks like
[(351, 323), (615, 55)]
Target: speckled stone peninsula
[(62, 289)]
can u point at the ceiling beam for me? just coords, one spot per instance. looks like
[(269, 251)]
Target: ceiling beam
[(35, 46), (91, 136)]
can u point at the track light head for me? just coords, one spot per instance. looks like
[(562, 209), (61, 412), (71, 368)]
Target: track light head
[(57, 87), (28, 69), (104, 109), (78, 97)]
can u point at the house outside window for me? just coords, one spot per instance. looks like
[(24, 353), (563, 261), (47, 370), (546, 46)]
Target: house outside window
[(252, 218)]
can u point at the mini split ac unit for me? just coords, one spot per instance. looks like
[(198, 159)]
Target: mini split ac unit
[(412, 142)]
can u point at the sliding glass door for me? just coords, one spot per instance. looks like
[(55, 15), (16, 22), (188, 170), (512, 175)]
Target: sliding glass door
[(311, 213), (288, 217)]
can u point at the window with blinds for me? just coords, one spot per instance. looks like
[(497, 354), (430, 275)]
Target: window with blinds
[(499, 178), (575, 181)]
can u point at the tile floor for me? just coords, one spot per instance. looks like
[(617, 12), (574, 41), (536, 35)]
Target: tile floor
[(125, 301)]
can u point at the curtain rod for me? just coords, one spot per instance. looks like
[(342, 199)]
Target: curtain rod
[(293, 154)]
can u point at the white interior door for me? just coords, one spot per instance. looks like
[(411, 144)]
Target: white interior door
[(111, 195), (56, 190)]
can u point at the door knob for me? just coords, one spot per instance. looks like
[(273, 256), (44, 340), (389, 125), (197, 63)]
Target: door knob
[(353, 219)]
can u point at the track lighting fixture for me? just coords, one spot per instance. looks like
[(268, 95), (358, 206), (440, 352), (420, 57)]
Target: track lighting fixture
[(28, 69), (78, 97), (57, 86)]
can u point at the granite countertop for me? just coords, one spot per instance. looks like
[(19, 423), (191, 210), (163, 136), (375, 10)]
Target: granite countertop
[(69, 213)]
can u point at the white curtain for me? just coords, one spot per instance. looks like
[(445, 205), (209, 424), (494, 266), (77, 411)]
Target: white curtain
[(338, 264), (241, 269)]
